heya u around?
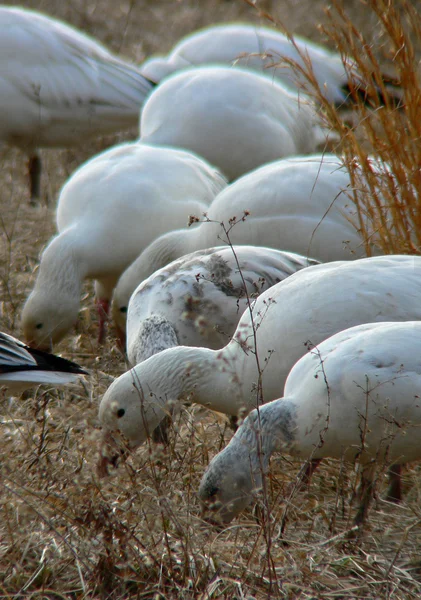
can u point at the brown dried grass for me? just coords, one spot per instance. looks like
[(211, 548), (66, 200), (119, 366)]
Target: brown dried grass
[(139, 534), (381, 145)]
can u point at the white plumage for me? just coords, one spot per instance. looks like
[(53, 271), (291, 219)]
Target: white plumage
[(199, 299), (301, 204), (22, 367), (58, 86), (258, 48), (109, 210), (356, 395), (307, 307), (236, 119)]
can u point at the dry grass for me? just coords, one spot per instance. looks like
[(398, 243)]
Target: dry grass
[(387, 190), (66, 534)]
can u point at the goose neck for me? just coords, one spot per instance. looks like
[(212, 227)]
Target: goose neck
[(266, 430), (158, 254), (61, 266), (186, 373)]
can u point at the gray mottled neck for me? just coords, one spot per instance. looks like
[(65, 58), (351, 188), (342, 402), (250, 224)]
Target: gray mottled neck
[(271, 428), (154, 335)]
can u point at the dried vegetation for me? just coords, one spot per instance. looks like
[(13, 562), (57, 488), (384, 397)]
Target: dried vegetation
[(66, 534)]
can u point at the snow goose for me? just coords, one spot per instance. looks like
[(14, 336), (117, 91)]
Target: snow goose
[(109, 210), (236, 119), (298, 203), (198, 299), (309, 306), (355, 396), (22, 367), (258, 48), (58, 86)]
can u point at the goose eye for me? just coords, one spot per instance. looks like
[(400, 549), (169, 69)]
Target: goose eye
[(123, 309), (39, 326), (120, 413)]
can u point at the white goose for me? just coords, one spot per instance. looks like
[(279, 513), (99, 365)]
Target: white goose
[(258, 48), (270, 52), (355, 396), (297, 203), (308, 306), (198, 299), (58, 86), (109, 210), (236, 119), (22, 367)]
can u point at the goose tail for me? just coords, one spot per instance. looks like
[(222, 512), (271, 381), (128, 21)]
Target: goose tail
[(21, 366)]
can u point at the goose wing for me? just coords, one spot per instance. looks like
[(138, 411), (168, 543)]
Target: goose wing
[(51, 73)]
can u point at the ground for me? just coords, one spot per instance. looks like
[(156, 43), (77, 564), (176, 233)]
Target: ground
[(65, 533)]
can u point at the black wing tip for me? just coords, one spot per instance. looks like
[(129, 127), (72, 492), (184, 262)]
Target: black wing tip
[(44, 360), (53, 362)]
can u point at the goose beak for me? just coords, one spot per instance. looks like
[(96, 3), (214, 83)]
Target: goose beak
[(45, 346), (112, 450), (121, 339)]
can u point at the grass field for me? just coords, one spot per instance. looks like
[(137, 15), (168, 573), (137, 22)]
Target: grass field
[(65, 533)]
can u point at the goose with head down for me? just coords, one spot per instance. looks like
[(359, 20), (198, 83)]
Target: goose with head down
[(110, 210), (355, 396), (197, 300), (236, 119), (265, 50)]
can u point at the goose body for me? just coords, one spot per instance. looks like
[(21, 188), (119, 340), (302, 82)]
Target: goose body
[(236, 119), (301, 204), (258, 48), (307, 307), (369, 409), (198, 299), (58, 85), (109, 210), (22, 367)]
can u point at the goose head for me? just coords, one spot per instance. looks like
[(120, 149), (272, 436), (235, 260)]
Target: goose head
[(128, 407), (227, 486), (47, 318)]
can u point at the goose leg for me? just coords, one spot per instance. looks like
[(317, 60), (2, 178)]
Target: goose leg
[(103, 307), (366, 494), (160, 433), (34, 170), (394, 493), (307, 473)]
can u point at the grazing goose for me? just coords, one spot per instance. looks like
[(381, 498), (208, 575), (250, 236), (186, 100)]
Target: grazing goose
[(309, 306), (270, 52), (58, 86), (355, 396), (198, 299), (22, 367), (295, 203), (110, 210), (258, 48), (236, 119)]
